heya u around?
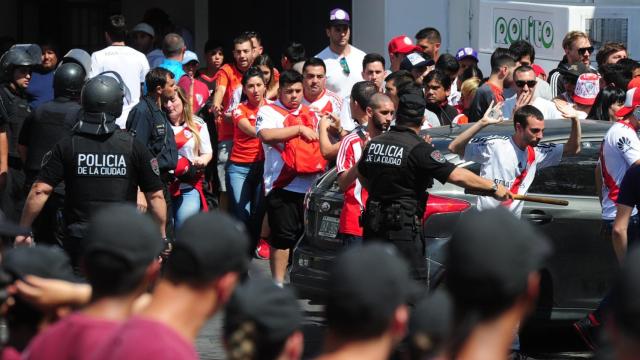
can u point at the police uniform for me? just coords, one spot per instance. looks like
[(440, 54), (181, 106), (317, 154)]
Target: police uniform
[(48, 124), (398, 167), (100, 164), (14, 109)]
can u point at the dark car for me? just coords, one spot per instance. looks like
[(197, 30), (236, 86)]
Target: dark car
[(578, 274)]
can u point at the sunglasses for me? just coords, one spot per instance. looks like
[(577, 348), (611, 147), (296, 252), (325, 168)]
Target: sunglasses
[(529, 83), (345, 66), (583, 50)]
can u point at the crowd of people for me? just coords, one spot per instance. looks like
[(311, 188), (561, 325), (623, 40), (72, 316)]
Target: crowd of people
[(144, 122)]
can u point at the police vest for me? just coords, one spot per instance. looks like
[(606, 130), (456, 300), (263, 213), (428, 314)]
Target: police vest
[(52, 121), (14, 110), (101, 173), (391, 177)]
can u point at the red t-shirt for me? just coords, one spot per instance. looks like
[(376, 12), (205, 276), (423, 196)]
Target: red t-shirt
[(246, 149), (497, 92), (9, 353), (231, 78), (356, 195), (76, 336), (141, 339), (200, 92)]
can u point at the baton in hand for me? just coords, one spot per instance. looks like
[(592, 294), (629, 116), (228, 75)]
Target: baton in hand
[(537, 199)]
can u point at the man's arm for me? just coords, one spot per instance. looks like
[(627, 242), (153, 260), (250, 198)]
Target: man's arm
[(158, 209), (598, 181), (619, 233), (40, 192), (470, 181), (493, 115), (273, 136), (4, 159), (328, 150)]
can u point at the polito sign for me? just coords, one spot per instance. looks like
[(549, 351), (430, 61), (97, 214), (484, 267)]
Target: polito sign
[(508, 28)]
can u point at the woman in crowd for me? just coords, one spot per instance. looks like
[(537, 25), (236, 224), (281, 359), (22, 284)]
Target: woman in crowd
[(246, 163), (194, 153), (264, 63), (214, 57), (467, 93), (609, 100)]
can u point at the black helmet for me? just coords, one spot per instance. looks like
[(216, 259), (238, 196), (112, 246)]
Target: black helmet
[(79, 57), (68, 80), (14, 57), (101, 101)]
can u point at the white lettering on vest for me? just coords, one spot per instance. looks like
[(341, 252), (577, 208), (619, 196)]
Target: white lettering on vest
[(101, 165), (385, 154)]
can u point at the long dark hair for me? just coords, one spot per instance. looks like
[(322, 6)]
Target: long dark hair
[(608, 96)]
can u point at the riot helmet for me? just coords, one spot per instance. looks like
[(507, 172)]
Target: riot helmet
[(68, 80), (12, 58), (79, 57), (102, 100)]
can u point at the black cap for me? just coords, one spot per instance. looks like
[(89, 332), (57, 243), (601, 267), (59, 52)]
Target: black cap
[(209, 244), (431, 320), (273, 310), (416, 60), (411, 105), (45, 261), (625, 299), (490, 257), (572, 72), (339, 17), (121, 231), (367, 284)]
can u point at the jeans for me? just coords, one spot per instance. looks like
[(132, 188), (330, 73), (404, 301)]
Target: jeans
[(350, 240), (245, 187), (185, 205)]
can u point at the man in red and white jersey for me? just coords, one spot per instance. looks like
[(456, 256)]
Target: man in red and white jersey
[(512, 161), (285, 195), (380, 111), (620, 150)]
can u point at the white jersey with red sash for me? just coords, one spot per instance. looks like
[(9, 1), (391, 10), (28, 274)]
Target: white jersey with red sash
[(272, 116), (505, 163), (620, 149), (328, 102), (186, 144)]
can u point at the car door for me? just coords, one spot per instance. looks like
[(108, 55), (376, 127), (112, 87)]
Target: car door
[(579, 271)]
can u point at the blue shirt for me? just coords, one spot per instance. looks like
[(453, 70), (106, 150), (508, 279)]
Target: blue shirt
[(40, 88)]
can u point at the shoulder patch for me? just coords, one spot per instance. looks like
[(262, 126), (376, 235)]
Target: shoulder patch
[(154, 166), (437, 156), (45, 158)]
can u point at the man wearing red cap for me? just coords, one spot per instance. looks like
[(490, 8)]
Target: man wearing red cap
[(620, 150), (399, 47)]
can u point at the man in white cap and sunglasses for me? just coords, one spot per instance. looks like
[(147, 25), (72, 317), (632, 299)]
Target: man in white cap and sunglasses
[(343, 61)]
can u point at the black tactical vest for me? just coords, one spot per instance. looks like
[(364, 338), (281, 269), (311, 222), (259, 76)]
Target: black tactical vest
[(17, 109), (101, 172)]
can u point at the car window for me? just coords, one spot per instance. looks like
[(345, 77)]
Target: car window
[(573, 176)]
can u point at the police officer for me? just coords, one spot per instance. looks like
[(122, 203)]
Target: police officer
[(150, 126), (99, 163), (47, 125), (15, 74), (397, 167)]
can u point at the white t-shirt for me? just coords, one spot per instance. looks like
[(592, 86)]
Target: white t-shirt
[(269, 118), (503, 161), (546, 107), (337, 80), (346, 121), (188, 150), (620, 148), (130, 64)]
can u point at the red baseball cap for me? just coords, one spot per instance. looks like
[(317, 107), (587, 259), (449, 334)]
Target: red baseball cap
[(537, 69), (402, 45), (630, 103), (587, 88)]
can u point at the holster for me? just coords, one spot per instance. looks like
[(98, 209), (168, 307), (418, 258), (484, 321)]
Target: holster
[(372, 217)]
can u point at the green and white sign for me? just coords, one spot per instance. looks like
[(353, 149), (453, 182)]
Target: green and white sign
[(539, 32)]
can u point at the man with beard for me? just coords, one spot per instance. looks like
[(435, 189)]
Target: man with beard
[(501, 78), (512, 161), (379, 112), (577, 49), (437, 88)]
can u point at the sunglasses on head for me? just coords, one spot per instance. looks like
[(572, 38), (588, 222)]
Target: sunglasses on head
[(345, 66), (529, 83), (583, 50)]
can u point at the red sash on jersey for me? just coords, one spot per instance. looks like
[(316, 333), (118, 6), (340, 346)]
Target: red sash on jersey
[(174, 187), (609, 181), (531, 157), (300, 157)]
